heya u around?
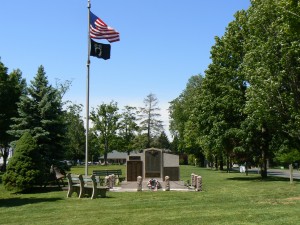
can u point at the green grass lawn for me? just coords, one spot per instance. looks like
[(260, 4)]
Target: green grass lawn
[(227, 198)]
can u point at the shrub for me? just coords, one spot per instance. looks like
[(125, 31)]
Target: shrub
[(25, 167)]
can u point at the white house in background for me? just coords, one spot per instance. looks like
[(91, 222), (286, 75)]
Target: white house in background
[(115, 157)]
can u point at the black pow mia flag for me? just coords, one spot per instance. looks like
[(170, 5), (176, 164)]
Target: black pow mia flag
[(100, 50)]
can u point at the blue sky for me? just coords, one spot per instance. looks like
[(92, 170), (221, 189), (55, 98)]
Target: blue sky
[(163, 43)]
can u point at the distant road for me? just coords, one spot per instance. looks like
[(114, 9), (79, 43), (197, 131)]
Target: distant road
[(280, 173), (284, 173)]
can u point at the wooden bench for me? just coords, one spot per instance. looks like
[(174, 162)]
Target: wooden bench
[(92, 188), (104, 173), (85, 186), (74, 183)]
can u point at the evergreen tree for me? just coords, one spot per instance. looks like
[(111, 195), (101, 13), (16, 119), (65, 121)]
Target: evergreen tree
[(149, 118), (24, 168), (41, 114), (162, 141)]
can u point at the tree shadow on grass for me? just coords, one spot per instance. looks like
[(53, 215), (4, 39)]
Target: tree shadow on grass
[(46, 189), (13, 202)]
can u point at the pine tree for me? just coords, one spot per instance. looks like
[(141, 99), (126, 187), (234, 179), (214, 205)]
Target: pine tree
[(41, 114), (23, 170), (149, 118)]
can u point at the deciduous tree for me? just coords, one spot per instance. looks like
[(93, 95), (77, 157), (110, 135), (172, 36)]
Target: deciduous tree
[(128, 128), (105, 120)]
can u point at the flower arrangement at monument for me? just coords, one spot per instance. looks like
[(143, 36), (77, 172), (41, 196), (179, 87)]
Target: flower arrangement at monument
[(153, 184)]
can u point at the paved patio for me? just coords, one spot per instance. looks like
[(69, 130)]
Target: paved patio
[(132, 186)]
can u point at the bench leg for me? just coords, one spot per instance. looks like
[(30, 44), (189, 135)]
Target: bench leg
[(81, 193), (70, 191), (94, 193)]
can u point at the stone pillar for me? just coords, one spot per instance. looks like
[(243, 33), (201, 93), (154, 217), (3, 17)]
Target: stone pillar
[(192, 180), (111, 181), (199, 184), (167, 183), (195, 180), (117, 180), (139, 183), (106, 181)]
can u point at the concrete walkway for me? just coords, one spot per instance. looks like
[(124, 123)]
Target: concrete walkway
[(132, 186)]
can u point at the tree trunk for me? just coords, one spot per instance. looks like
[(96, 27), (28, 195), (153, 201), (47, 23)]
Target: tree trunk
[(263, 166), (221, 162), (291, 173), (105, 152), (228, 164), (264, 149), (105, 158)]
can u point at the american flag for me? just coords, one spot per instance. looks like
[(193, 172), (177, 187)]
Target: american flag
[(99, 30)]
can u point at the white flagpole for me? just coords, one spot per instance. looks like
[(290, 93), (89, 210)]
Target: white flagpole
[(87, 94)]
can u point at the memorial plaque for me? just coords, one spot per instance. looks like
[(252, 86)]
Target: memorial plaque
[(153, 163), (172, 172)]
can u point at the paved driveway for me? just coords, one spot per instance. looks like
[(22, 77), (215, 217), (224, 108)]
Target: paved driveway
[(280, 173), (284, 173)]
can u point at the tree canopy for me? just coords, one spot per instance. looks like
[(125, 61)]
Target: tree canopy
[(246, 108), (12, 86)]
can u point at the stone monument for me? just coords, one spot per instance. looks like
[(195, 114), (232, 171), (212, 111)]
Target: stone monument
[(153, 163)]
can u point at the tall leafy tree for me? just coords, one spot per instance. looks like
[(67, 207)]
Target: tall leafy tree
[(223, 93), (184, 124), (105, 120), (12, 86), (271, 66), (40, 113), (95, 146), (128, 128), (149, 118), (75, 135)]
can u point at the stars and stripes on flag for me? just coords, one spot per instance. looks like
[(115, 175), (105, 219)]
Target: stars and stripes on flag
[(99, 30)]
